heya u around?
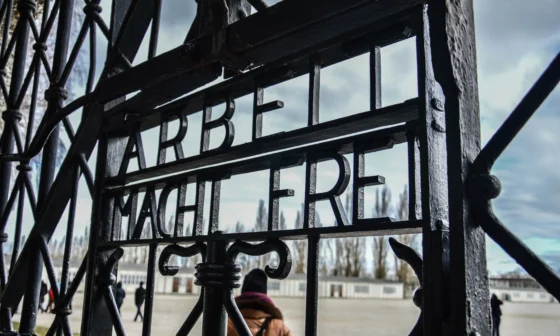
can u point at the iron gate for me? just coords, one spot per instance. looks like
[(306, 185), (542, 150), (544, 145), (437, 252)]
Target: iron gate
[(284, 41)]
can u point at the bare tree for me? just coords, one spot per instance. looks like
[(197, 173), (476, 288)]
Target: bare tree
[(242, 259), (239, 227), (380, 244), (402, 269), (349, 251), (170, 225), (261, 224), (282, 222)]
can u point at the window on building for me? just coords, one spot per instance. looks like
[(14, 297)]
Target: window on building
[(389, 290), (302, 286), (274, 285), (516, 295), (543, 296), (361, 289), (530, 295)]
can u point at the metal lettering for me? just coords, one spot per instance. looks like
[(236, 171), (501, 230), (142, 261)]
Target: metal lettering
[(360, 181), (332, 195), (148, 210), (225, 120), (175, 142), (259, 108), (128, 209), (134, 141)]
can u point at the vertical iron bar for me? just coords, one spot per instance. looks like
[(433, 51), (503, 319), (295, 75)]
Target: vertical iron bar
[(257, 115), (92, 56), (214, 317), (312, 119), (414, 176), (455, 69), (434, 190), (49, 159), (109, 155), (18, 71), (314, 91), (31, 299), (69, 235), (154, 34), (311, 301), (9, 4), (19, 223), (214, 220), (374, 78), (150, 286)]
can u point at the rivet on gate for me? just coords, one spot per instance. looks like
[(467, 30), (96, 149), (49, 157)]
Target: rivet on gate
[(437, 104), (438, 127)]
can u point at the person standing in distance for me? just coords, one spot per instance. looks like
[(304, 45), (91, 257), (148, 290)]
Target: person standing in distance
[(139, 298), (495, 304), (44, 291), (120, 294)]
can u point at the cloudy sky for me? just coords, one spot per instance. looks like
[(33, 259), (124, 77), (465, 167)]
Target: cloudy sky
[(515, 39)]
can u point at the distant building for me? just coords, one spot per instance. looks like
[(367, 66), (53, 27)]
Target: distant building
[(523, 289), (294, 286)]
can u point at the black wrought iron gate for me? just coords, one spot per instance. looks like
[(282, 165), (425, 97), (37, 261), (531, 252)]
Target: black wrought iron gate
[(450, 182)]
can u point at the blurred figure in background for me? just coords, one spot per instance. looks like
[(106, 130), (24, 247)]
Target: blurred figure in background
[(139, 298), (258, 310), (495, 304), (51, 301), (120, 294), (44, 291)]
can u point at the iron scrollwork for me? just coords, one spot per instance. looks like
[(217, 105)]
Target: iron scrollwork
[(412, 257), (219, 279), (169, 270), (185, 252), (272, 245)]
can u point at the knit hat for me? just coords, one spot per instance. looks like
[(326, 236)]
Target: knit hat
[(255, 281)]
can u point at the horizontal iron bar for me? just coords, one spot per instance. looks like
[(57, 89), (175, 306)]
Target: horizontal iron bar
[(294, 25), (271, 74), (404, 112), (515, 248), (375, 140), (373, 228)]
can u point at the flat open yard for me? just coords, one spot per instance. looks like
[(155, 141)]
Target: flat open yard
[(336, 316)]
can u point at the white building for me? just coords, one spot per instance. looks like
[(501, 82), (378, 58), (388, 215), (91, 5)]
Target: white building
[(294, 286), (511, 290), (519, 290)]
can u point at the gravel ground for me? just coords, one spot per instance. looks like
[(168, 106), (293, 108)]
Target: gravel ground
[(336, 316)]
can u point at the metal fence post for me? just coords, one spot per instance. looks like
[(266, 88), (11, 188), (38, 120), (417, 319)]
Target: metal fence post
[(214, 318), (453, 49)]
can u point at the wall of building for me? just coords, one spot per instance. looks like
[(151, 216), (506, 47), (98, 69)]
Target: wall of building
[(522, 295), (183, 283)]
